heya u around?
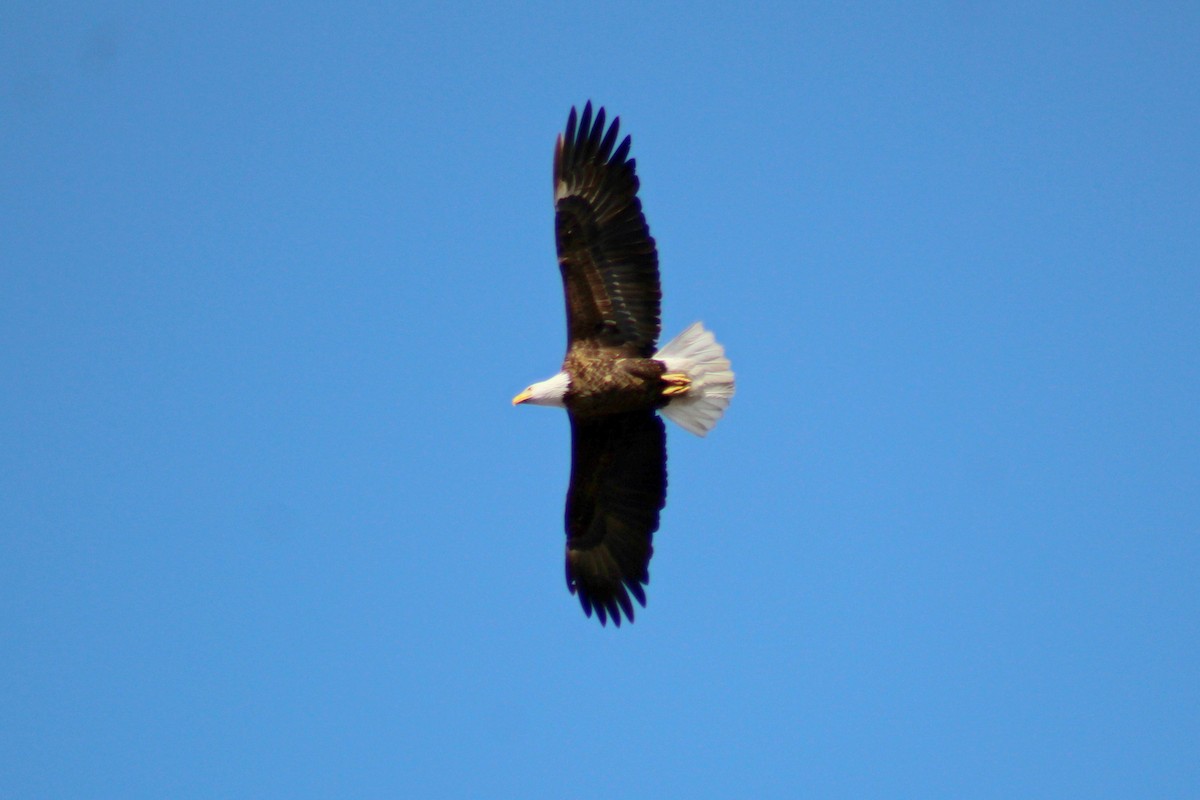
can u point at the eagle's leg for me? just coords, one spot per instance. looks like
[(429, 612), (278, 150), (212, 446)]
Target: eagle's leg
[(677, 383)]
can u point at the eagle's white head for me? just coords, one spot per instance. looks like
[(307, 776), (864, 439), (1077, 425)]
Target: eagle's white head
[(545, 393)]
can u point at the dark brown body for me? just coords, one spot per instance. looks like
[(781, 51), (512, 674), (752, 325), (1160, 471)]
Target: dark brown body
[(604, 382)]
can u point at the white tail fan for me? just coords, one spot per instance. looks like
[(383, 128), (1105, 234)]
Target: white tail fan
[(697, 353)]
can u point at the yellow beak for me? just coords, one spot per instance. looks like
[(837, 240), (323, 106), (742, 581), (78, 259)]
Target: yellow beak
[(522, 397)]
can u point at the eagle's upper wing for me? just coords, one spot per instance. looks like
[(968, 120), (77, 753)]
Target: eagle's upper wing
[(618, 486), (605, 251)]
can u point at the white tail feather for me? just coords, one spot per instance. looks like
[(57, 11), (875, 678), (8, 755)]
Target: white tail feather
[(697, 353)]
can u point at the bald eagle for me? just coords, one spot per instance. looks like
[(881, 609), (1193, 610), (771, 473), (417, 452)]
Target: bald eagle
[(613, 380)]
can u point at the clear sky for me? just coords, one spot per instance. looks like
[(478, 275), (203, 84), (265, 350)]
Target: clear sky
[(269, 526)]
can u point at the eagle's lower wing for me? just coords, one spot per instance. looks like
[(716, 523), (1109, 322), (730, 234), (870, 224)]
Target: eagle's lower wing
[(618, 486), (607, 257)]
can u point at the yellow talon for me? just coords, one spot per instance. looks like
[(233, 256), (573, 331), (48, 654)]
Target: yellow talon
[(676, 383)]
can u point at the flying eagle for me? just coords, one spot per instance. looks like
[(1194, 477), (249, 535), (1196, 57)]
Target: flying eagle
[(612, 379)]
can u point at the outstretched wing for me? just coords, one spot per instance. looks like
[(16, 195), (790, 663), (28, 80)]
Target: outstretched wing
[(618, 486), (608, 260)]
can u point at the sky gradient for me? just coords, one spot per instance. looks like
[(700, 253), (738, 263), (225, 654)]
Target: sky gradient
[(270, 527)]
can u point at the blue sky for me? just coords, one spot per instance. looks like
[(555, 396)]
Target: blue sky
[(270, 527)]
